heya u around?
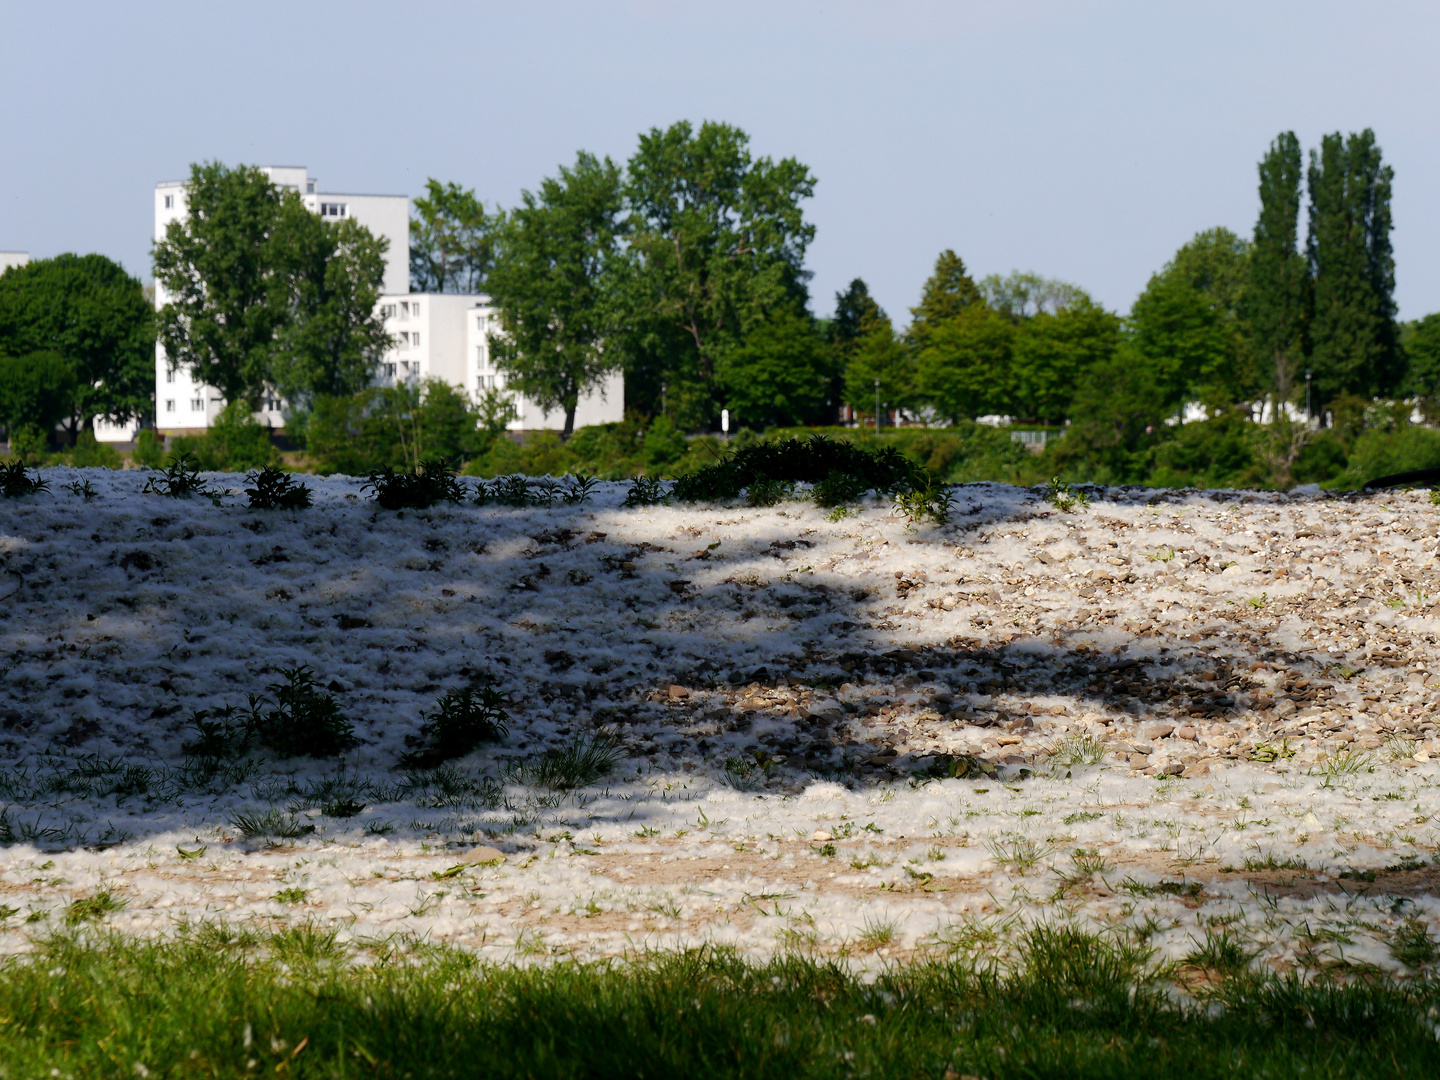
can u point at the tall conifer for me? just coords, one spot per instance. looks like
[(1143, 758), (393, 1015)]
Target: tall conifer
[(1278, 294), (1353, 268)]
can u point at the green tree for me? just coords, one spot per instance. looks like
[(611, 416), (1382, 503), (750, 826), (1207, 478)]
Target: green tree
[(1023, 295), (1353, 332), (879, 355), (1420, 340), (262, 293), (856, 316), (717, 240), (1117, 420), (451, 240), (947, 293), (329, 340), (1278, 292), (95, 316), (1186, 325), (218, 267), (962, 364), (781, 373), (551, 283), (1054, 353), (36, 391)]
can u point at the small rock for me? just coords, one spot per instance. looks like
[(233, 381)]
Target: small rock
[(1284, 707), (1159, 731), (1173, 769), (1139, 761), (484, 856), (1200, 768), (678, 693), (821, 834), (1186, 732)]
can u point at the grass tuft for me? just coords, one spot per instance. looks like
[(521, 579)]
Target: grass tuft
[(15, 482), (275, 489), (579, 763)]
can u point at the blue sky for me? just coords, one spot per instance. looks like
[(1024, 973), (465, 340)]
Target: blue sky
[(1082, 140)]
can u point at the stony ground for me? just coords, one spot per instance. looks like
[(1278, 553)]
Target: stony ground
[(1204, 720)]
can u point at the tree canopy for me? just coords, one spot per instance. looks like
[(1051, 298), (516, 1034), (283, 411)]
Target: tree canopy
[(451, 240), (88, 311), (260, 292), (552, 285)]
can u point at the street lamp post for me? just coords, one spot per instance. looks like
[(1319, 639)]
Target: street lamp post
[(877, 406), (1307, 393)]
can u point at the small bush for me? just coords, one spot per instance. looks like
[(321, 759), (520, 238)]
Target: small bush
[(581, 762), (270, 824), (90, 453), (646, 491), (221, 734), (301, 718), (83, 489), (180, 480), (149, 449), (415, 489), (511, 490), (928, 500), (276, 489), (14, 482), (833, 465), (461, 721), (1065, 497)]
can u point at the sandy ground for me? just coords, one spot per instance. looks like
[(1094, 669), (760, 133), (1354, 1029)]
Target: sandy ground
[(1202, 718)]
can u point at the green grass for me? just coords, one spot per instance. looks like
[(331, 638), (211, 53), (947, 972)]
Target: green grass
[(228, 1004)]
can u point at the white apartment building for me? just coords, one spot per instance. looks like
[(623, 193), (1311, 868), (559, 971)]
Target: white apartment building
[(436, 335), (13, 258)]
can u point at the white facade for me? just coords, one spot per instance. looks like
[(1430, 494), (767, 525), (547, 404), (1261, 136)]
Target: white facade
[(446, 336), (436, 335), (13, 258)]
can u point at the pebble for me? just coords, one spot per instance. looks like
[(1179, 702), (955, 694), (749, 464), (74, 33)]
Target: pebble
[(1159, 731)]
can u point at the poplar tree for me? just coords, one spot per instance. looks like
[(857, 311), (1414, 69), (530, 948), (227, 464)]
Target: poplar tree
[(1353, 266), (1277, 299)]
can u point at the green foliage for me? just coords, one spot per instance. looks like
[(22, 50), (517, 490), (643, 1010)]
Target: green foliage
[(1065, 497), (301, 1002), (29, 443), (300, 718), (149, 449), (275, 489), (36, 390), (451, 240), (266, 294), (89, 453), (646, 490), (879, 354), (781, 373), (928, 500), (813, 461), (1376, 453), (716, 240), (516, 490), (1421, 343), (180, 480), (96, 317), (1054, 352), (399, 427), (461, 720), (1278, 292), (234, 442), (1352, 265), (552, 285), (579, 763), (963, 363), (415, 489), (1223, 452), (16, 483)]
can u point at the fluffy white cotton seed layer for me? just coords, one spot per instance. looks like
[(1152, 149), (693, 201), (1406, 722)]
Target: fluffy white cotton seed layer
[(1182, 711)]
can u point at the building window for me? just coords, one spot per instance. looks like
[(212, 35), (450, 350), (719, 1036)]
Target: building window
[(170, 404), (415, 308), (197, 404), (415, 338), (389, 371), (480, 358), (404, 337), (169, 202), (387, 311), (309, 187), (334, 210), (169, 375), (404, 309)]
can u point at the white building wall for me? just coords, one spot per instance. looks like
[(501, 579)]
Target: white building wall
[(13, 258)]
